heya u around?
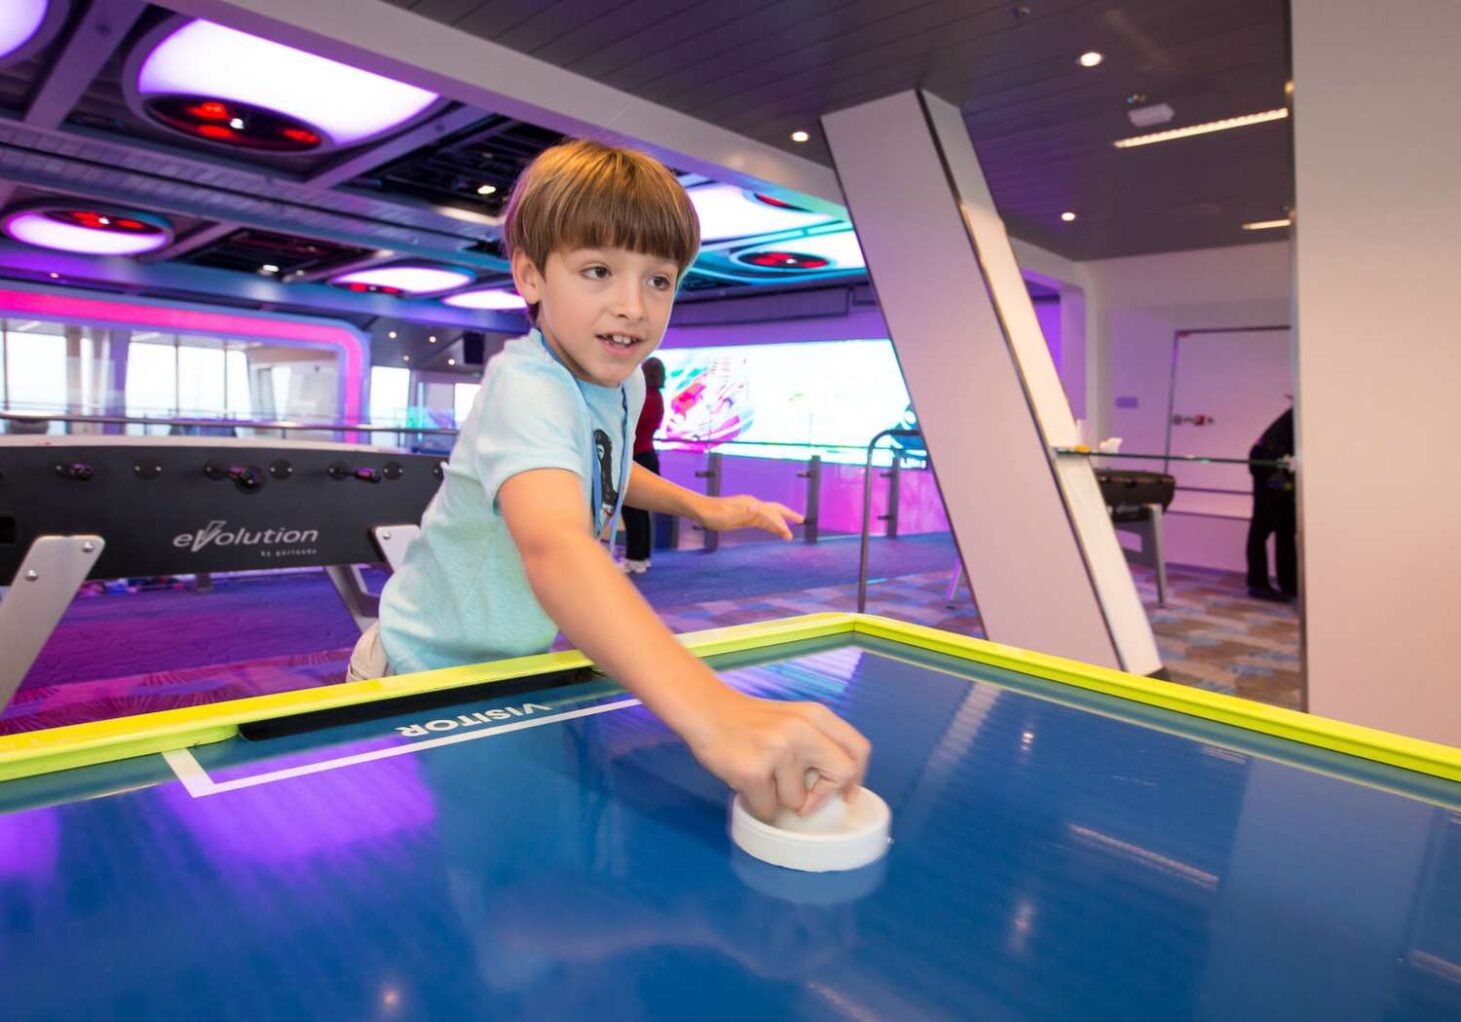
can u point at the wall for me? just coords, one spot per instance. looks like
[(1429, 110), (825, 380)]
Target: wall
[(1376, 155), (1134, 308)]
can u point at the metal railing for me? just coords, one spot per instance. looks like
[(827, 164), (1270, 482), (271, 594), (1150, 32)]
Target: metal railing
[(867, 506)]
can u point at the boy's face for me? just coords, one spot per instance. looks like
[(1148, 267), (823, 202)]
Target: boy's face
[(603, 310)]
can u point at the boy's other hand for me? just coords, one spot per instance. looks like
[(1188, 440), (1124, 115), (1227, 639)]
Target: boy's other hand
[(763, 749), (746, 512)]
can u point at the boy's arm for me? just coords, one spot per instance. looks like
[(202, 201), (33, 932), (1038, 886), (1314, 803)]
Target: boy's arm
[(650, 492), (762, 748)]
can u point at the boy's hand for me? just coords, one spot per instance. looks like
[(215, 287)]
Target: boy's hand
[(746, 512), (763, 749)]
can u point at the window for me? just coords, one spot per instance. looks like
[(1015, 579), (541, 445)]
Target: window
[(390, 394), (466, 393), (35, 367)]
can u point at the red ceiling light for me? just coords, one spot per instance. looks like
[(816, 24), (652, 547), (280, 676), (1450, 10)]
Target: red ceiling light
[(238, 124), (777, 260)]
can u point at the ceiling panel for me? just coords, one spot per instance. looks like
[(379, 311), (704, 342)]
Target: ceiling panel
[(1043, 126)]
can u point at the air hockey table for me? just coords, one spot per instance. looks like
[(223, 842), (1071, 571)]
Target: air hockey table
[(522, 840)]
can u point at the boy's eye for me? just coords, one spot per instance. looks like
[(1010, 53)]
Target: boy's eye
[(596, 272), (660, 282)]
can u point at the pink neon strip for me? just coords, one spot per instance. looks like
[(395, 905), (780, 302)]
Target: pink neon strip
[(194, 321)]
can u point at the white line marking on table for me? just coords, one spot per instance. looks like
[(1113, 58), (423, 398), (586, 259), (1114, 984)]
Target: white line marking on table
[(196, 780)]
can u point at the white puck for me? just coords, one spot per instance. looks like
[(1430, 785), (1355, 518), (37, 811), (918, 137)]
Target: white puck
[(830, 839)]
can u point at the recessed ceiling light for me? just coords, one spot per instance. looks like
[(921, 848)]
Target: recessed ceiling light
[(1267, 225), (1067, 216), (405, 358), (81, 229), (392, 335), (20, 20), (1201, 129), (486, 189), (432, 339), (226, 86), (800, 136), (268, 268), (55, 276), (1091, 58), (495, 299), (412, 278), (451, 361)]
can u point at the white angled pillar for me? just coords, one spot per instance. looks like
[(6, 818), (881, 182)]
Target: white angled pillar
[(1032, 528)]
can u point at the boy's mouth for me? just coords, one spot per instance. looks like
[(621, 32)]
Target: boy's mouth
[(619, 342)]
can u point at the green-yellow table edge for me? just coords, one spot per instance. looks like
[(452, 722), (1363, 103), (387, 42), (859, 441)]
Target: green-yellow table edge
[(40, 752)]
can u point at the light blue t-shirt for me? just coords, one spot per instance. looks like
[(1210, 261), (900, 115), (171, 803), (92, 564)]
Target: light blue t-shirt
[(462, 596)]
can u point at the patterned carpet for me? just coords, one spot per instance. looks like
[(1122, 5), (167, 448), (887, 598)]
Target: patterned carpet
[(252, 636), (1210, 634)]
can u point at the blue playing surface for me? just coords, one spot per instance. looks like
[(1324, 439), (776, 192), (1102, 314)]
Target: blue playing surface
[(559, 855)]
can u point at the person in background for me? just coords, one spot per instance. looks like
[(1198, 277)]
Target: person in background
[(639, 525), (1274, 514)]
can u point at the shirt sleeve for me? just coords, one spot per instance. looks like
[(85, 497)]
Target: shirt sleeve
[(530, 419)]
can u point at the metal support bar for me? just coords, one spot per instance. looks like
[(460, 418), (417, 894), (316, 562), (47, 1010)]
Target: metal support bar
[(1151, 555), (893, 475), (867, 507), (364, 607), (712, 477), (813, 476), (47, 581)]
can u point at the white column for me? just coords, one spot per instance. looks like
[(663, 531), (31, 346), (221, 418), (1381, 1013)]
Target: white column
[(1033, 530), (1377, 248)]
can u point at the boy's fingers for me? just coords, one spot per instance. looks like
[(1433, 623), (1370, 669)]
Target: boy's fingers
[(791, 785), (760, 798), (847, 737)]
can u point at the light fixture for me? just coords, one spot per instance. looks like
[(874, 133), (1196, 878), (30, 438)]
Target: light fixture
[(392, 335), (21, 24), (486, 189), (54, 276), (496, 299), (405, 358), (1091, 58), (268, 268), (1267, 225), (451, 361), (835, 251), (726, 211), (800, 136), (69, 228), (1201, 129), (404, 278), (1067, 216), (228, 87), (432, 339)]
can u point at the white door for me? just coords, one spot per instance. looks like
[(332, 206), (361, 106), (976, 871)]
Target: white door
[(1227, 388)]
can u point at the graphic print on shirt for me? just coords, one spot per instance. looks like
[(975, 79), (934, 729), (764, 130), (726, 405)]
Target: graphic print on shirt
[(609, 492)]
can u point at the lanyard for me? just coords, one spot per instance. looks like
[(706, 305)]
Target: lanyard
[(603, 522)]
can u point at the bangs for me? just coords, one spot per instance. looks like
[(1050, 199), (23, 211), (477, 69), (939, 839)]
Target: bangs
[(589, 195)]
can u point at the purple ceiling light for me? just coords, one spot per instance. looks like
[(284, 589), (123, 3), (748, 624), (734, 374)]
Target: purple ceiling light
[(496, 299), (234, 89), (835, 251), (20, 23), (729, 212), (404, 278), (88, 229)]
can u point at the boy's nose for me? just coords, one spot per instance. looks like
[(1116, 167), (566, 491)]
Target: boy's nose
[(628, 303)]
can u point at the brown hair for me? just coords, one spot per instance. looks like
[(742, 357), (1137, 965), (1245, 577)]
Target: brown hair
[(585, 194)]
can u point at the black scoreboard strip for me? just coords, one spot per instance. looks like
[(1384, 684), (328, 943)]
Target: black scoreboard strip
[(168, 508)]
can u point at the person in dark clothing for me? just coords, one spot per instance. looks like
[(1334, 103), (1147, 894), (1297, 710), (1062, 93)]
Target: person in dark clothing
[(1274, 514), (637, 523)]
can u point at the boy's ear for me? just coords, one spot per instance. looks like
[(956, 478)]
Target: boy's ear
[(526, 278)]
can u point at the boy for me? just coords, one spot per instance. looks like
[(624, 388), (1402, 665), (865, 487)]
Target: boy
[(509, 551)]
